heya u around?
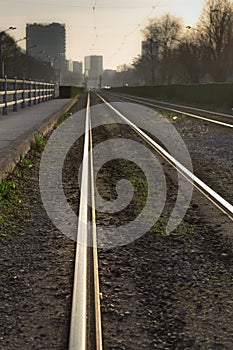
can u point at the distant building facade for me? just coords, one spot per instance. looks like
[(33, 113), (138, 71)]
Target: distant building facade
[(78, 67), (47, 42), (93, 71), (69, 65), (109, 78)]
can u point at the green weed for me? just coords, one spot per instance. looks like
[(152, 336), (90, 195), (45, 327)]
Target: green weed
[(5, 188), (63, 117), (25, 163), (39, 141)]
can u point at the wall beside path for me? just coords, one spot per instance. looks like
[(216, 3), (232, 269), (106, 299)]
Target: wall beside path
[(70, 91), (212, 94)]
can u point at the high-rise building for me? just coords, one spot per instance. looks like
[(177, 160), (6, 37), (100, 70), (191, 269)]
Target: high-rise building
[(93, 71), (69, 65), (47, 42), (78, 67), (110, 78)]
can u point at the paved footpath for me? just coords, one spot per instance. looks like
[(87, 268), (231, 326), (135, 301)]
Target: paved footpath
[(18, 129)]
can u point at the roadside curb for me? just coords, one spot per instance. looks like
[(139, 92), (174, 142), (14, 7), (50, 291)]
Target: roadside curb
[(22, 145)]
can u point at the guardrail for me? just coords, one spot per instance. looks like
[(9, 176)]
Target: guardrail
[(23, 92)]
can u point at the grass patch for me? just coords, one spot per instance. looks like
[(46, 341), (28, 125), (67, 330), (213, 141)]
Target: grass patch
[(218, 95), (18, 196), (63, 117), (5, 188), (19, 192), (25, 163), (174, 117), (39, 142)]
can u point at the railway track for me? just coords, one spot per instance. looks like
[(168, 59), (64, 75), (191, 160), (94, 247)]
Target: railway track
[(197, 113), (85, 328), (214, 197)]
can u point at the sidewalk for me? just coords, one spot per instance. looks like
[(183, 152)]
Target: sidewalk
[(17, 129)]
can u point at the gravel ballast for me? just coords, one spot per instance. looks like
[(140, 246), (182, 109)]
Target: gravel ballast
[(162, 291)]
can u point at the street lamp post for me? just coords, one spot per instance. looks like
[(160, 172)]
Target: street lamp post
[(15, 54), (55, 67), (2, 72), (60, 66), (26, 65)]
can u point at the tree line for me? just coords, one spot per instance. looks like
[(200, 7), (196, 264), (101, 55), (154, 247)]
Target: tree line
[(172, 53), (15, 62)]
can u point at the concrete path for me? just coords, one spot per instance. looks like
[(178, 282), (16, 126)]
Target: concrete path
[(18, 129)]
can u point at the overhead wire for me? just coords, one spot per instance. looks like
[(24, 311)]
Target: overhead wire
[(66, 4), (94, 25), (126, 36), (94, 7)]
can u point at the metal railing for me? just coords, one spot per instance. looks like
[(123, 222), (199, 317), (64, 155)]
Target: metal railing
[(23, 92)]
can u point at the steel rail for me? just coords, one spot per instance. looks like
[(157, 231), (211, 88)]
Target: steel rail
[(78, 325), (224, 205), (98, 330), (183, 106), (152, 104), (78, 338)]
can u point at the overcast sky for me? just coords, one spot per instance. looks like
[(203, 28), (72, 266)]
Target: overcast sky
[(102, 27)]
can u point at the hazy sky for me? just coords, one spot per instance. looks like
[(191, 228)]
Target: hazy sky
[(102, 27)]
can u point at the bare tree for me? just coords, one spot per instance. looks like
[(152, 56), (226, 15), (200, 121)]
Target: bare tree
[(143, 70), (171, 55), (216, 26), (15, 62), (162, 36), (8, 52), (188, 57)]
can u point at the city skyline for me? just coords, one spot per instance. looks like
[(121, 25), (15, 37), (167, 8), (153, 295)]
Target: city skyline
[(98, 27), (93, 70)]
